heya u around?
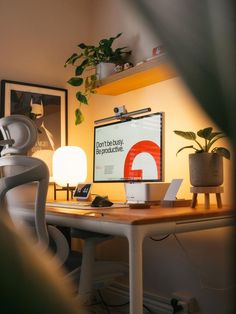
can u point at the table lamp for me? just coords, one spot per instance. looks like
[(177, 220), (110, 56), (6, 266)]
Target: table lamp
[(69, 168)]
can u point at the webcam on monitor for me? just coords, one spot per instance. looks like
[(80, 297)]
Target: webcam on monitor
[(120, 110)]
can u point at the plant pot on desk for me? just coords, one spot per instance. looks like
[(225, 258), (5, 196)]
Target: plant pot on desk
[(206, 169)]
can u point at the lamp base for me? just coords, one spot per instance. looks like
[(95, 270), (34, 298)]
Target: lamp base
[(69, 191)]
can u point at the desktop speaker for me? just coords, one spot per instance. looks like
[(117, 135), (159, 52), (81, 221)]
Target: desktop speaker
[(145, 193)]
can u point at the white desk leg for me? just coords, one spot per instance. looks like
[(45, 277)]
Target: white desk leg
[(136, 271), (86, 272)]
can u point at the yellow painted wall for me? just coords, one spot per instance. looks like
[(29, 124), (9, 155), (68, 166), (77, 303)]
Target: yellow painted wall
[(169, 265), (109, 18), (182, 112)]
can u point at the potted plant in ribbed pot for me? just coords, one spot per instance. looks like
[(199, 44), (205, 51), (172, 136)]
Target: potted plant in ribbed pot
[(93, 59), (206, 163)]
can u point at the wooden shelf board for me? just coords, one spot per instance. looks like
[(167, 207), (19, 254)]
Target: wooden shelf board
[(147, 73)]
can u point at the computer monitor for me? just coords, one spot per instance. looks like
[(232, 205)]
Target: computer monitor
[(130, 150)]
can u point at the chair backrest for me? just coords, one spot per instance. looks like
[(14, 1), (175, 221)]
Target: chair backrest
[(27, 170), (24, 181), (22, 130), (30, 281)]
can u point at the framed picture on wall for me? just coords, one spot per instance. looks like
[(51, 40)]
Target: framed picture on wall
[(47, 106)]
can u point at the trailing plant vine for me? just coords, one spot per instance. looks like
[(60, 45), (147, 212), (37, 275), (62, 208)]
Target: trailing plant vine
[(89, 56)]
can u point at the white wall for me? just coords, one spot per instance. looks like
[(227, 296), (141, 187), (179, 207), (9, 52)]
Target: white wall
[(111, 18), (38, 36), (36, 39)]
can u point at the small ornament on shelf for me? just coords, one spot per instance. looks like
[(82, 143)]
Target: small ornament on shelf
[(156, 51), (128, 65), (118, 68)]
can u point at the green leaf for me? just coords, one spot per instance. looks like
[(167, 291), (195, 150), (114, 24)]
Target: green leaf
[(205, 133), (72, 59), (103, 42), (85, 62), (79, 118), (93, 77), (81, 98), (190, 146), (213, 138), (216, 134), (79, 70), (86, 84), (106, 43), (75, 81), (222, 151), (82, 46), (118, 35), (186, 135), (90, 83), (90, 47)]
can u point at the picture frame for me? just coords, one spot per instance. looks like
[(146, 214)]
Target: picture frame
[(47, 106)]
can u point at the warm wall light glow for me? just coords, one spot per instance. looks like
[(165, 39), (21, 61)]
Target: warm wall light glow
[(69, 166)]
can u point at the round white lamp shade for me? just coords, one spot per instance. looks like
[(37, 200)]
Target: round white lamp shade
[(69, 166)]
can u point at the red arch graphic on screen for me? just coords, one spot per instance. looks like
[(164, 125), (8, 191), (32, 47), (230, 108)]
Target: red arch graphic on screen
[(141, 147)]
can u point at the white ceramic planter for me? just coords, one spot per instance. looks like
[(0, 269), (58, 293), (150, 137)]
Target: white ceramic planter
[(104, 69), (206, 169)]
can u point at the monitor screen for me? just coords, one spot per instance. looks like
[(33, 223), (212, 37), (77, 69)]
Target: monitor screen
[(129, 151)]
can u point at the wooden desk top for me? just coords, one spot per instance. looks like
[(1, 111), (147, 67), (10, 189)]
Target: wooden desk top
[(155, 214)]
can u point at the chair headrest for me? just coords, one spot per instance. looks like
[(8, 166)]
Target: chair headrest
[(21, 133)]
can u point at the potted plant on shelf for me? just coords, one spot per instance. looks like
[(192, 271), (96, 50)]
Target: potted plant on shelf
[(89, 58), (206, 164)]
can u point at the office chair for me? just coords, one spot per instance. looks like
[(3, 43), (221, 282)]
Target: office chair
[(27, 178), (19, 135), (28, 170), (28, 284), (30, 280)]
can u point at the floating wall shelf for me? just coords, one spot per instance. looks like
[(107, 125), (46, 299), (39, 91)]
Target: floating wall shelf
[(147, 73)]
